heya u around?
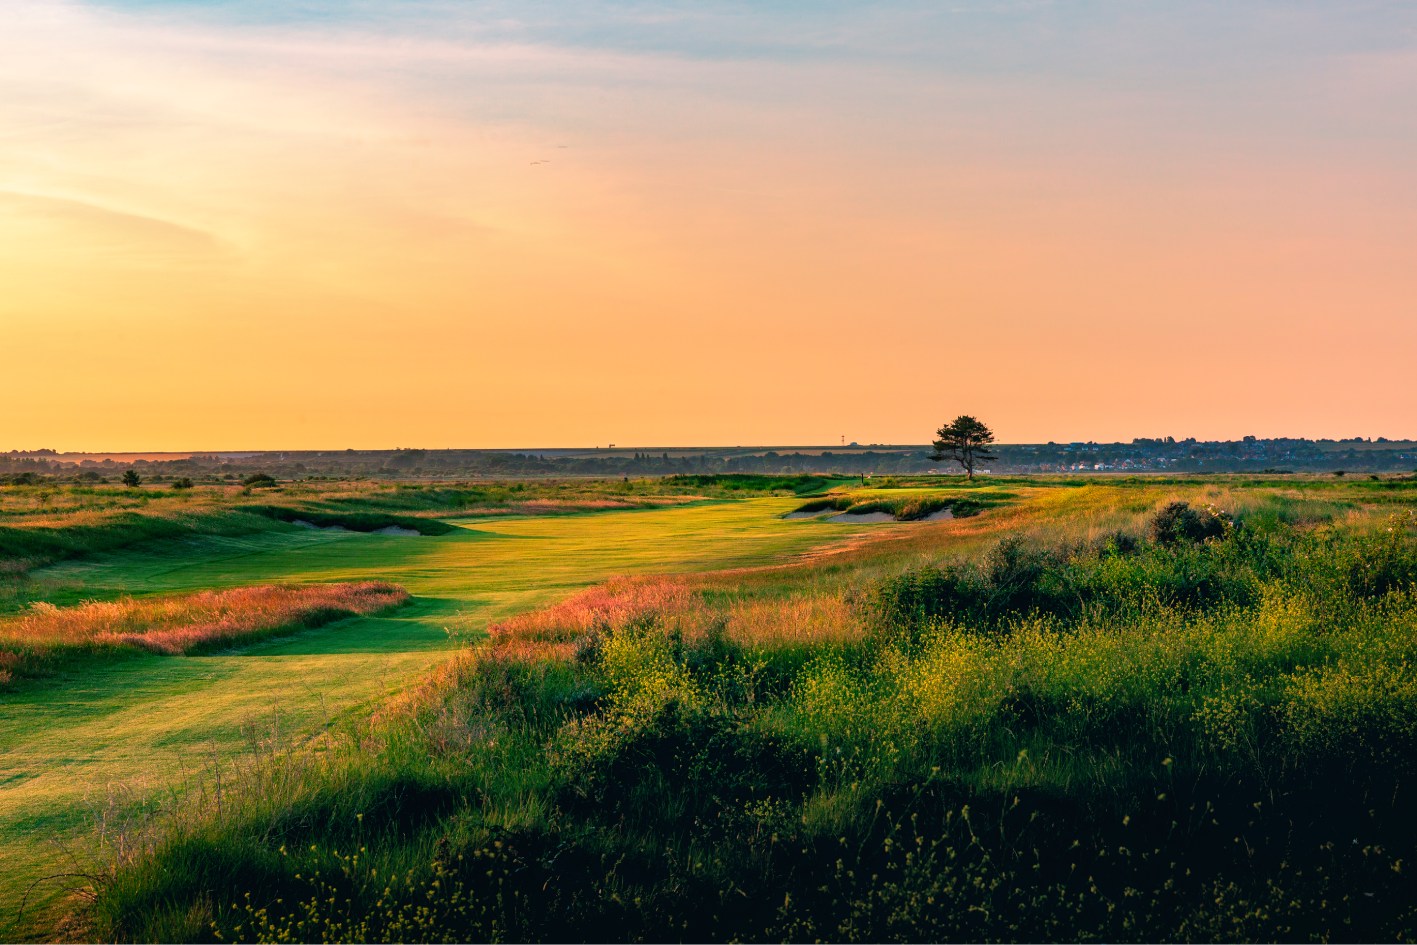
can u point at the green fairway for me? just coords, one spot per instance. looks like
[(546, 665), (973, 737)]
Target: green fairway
[(102, 738)]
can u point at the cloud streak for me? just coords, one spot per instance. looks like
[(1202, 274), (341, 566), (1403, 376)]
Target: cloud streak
[(151, 240)]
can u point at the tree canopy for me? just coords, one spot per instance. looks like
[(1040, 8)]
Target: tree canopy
[(964, 440)]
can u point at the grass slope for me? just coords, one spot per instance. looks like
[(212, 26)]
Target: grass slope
[(102, 741)]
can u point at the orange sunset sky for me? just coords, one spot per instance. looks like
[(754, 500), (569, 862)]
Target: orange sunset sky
[(325, 224)]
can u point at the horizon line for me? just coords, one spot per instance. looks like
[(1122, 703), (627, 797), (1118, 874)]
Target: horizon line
[(857, 445)]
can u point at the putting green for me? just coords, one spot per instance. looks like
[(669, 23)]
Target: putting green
[(103, 739)]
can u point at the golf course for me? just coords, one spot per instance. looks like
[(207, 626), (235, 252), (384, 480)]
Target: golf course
[(88, 748), (710, 708)]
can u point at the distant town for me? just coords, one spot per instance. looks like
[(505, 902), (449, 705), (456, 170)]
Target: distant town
[(1278, 456)]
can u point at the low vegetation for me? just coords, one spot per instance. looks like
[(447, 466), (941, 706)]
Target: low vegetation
[(1107, 714), (906, 508), (47, 636)]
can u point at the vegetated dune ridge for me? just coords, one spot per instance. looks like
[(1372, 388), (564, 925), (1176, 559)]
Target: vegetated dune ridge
[(1132, 711), (184, 623)]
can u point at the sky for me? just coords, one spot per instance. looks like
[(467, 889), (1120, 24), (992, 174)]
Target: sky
[(280, 224)]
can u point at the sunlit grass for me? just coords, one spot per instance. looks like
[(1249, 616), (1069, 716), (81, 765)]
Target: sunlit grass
[(183, 623), (1042, 722), (1097, 736)]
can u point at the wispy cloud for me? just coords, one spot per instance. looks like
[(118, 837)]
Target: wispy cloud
[(89, 228), (562, 195)]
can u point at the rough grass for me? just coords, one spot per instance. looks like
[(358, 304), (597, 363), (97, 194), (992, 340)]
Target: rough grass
[(908, 508), (1051, 727), (179, 624)]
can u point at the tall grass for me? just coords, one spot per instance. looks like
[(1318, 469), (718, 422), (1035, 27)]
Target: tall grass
[(180, 624)]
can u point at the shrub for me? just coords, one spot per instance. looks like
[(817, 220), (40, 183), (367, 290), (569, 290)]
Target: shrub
[(259, 481), (1178, 522)]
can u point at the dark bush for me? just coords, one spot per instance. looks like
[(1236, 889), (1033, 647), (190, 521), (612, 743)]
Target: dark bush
[(1178, 523), (968, 506), (1117, 573), (913, 599), (1378, 563), (688, 769), (259, 481), (1117, 545)]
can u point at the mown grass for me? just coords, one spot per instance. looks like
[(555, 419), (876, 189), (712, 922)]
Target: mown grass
[(1058, 721), (41, 524)]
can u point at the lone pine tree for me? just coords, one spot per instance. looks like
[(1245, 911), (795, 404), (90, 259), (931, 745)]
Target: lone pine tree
[(966, 441)]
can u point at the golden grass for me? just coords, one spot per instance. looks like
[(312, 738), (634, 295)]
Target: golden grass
[(811, 620), (555, 631), (185, 623), (672, 605)]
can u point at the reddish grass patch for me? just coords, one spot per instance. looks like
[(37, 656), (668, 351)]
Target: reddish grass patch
[(672, 606), (184, 623), (617, 603)]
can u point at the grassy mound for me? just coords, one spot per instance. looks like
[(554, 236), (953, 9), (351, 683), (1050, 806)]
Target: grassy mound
[(47, 636), (904, 509), (838, 502), (354, 521)]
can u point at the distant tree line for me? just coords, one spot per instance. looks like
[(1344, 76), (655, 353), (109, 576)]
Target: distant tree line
[(1162, 454)]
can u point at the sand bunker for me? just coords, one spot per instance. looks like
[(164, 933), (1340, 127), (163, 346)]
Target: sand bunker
[(319, 528), (862, 518), (940, 515), (396, 530), (386, 530)]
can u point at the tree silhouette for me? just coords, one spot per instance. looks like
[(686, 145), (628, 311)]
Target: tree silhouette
[(964, 440), (131, 479)]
